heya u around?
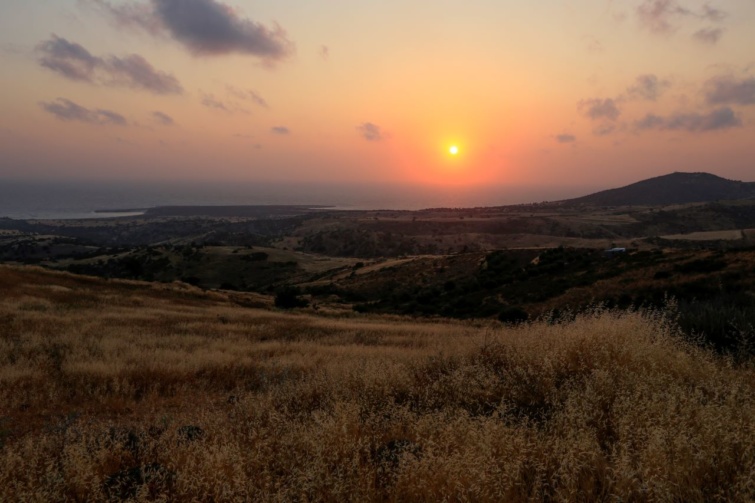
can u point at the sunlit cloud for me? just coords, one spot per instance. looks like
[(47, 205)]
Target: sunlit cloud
[(370, 131), (67, 110), (719, 119), (203, 27), (280, 130), (74, 62)]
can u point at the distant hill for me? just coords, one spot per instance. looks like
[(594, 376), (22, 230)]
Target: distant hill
[(675, 188)]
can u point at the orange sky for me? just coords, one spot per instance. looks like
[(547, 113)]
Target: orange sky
[(575, 93)]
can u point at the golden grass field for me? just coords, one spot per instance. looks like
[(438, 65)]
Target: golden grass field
[(126, 391)]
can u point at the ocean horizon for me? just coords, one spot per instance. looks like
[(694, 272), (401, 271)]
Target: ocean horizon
[(30, 200)]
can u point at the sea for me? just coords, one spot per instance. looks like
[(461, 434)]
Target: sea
[(45, 199)]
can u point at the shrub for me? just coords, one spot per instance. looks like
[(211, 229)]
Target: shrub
[(288, 298)]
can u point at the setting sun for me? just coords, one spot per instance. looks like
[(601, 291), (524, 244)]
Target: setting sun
[(453, 150)]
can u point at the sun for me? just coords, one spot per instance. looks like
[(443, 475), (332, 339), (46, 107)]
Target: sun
[(453, 150)]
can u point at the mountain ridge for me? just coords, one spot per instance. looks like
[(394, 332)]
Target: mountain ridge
[(673, 188)]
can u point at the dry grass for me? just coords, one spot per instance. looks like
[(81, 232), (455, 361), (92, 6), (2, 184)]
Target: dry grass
[(121, 391), (727, 235)]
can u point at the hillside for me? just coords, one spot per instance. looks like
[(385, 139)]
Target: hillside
[(674, 188), (125, 391)]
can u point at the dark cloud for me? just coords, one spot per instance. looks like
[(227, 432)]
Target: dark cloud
[(325, 52), (281, 130), (597, 109), (67, 110), (75, 62), (647, 87), (204, 27), (163, 118), (709, 36), (68, 59), (730, 91), (566, 138), (370, 131), (658, 15), (135, 71), (719, 119)]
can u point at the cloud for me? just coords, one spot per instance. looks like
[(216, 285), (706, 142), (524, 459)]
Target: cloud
[(75, 62), (597, 109), (370, 131), (128, 15), (729, 91), (719, 119), (204, 27), (661, 17), (647, 87), (259, 100), (566, 138), (280, 130), (67, 110), (324, 52), (163, 118), (210, 101), (68, 59), (247, 96), (658, 15), (604, 129), (712, 14), (709, 36)]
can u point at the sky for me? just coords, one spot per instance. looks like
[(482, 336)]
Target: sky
[(557, 93)]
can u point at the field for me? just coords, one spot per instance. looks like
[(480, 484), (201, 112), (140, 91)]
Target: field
[(125, 391)]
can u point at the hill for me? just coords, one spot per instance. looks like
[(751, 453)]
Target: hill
[(674, 188), (127, 391)]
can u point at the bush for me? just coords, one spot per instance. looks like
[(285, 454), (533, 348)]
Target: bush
[(288, 298), (513, 315)]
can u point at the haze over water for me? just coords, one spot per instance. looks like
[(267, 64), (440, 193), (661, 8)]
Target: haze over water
[(39, 199)]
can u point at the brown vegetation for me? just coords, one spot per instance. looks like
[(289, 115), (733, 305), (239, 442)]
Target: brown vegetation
[(116, 390)]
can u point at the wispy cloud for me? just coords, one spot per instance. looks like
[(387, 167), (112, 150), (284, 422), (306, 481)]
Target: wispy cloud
[(566, 138), (163, 118), (659, 16), (663, 17), (247, 95), (280, 130), (709, 36), (210, 101), (204, 27), (726, 90), (719, 119), (599, 109), (75, 62), (67, 110), (370, 131), (647, 87)]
